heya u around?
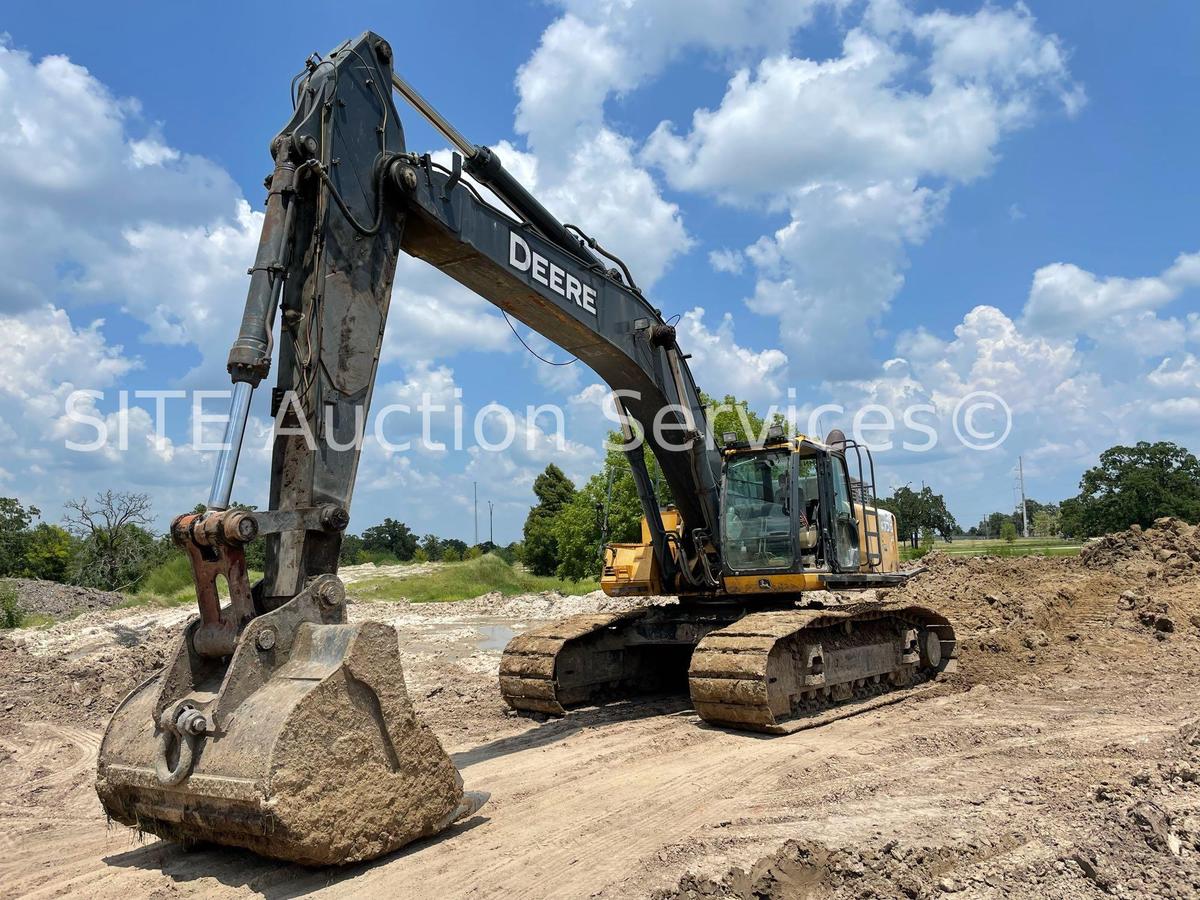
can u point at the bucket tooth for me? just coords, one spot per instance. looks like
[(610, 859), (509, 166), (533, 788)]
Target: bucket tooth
[(310, 750)]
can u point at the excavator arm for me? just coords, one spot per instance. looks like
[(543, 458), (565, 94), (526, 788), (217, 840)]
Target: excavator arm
[(345, 198)]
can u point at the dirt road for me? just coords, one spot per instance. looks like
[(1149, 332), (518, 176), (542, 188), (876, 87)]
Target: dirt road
[(1062, 762)]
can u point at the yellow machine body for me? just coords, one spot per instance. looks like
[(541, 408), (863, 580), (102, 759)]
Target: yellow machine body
[(631, 569)]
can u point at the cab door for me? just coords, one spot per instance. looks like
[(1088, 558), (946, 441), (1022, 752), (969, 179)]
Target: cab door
[(839, 522)]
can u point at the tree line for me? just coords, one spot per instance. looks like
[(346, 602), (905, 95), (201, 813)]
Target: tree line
[(107, 542), (567, 527), (1131, 485)]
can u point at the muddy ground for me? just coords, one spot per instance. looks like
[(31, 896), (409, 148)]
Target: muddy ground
[(1063, 760)]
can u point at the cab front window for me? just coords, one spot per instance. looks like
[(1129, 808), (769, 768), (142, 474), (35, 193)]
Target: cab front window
[(757, 511)]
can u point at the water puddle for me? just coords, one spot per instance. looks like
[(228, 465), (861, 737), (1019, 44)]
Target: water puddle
[(495, 637)]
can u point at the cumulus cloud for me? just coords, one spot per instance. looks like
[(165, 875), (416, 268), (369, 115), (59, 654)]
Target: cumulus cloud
[(1065, 299), (862, 151), (1068, 398), (588, 172), (596, 50), (724, 366), (726, 260)]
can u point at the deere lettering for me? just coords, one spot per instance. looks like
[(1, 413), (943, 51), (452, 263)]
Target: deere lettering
[(544, 272)]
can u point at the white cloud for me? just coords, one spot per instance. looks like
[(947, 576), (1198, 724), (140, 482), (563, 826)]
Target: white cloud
[(1071, 394), (43, 349), (861, 151), (726, 260), (1065, 299), (1181, 375), (151, 151), (722, 366), (596, 50), (586, 172), (96, 207), (433, 317)]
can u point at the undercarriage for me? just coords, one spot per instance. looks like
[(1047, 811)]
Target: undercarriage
[(772, 670)]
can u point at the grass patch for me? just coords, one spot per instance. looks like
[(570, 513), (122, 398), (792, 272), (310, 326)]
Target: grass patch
[(168, 578), (464, 580), (170, 584)]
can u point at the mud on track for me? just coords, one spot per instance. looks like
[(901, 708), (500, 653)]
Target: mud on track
[(1063, 761)]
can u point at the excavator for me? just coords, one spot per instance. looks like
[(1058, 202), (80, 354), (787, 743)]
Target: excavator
[(277, 725)]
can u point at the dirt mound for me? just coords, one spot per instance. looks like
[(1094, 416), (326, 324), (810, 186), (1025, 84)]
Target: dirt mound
[(365, 571), (1148, 828), (1014, 613), (806, 869), (79, 689), (1169, 549), (60, 600), (552, 605)]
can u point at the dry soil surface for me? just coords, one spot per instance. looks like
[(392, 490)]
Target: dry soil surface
[(1063, 760)]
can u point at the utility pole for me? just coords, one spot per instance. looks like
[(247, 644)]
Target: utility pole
[(491, 533), (475, 487), (1024, 512)]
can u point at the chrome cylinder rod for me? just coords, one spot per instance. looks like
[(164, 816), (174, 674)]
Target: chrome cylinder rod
[(436, 119), (231, 448)]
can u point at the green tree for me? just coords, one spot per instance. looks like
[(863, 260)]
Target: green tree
[(1048, 521), (553, 490), (350, 550), (916, 510), (392, 537), (730, 414), (14, 534), (1032, 508), (1134, 486), (1008, 531), (431, 546), (582, 525), (48, 553), (991, 525)]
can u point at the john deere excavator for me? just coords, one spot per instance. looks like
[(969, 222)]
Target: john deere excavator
[(279, 727)]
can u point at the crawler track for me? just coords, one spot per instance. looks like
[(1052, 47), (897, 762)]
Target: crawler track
[(786, 670), (575, 661)]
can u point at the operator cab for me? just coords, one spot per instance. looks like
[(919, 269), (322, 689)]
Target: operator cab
[(792, 506)]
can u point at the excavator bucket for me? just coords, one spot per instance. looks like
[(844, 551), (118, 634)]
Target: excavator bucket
[(300, 745)]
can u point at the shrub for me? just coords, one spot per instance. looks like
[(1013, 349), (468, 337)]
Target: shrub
[(11, 615)]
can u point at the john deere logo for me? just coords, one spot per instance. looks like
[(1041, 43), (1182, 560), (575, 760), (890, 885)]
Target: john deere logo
[(764, 584)]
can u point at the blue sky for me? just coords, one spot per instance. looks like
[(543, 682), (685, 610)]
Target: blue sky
[(906, 203)]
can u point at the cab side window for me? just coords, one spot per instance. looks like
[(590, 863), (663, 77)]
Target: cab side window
[(845, 526)]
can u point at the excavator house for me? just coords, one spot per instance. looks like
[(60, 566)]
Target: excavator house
[(278, 726)]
